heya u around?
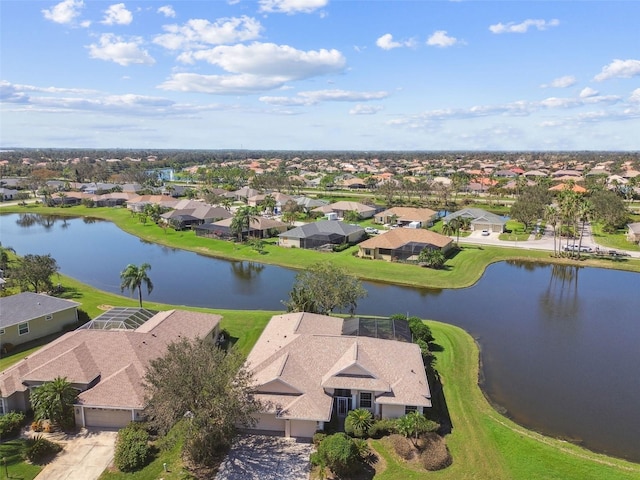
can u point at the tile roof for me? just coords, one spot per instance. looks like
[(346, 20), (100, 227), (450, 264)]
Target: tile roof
[(322, 227), (26, 306), (409, 214), (117, 358), (396, 238)]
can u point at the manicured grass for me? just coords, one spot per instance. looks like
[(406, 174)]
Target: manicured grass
[(463, 270), (486, 445), (11, 450), (517, 232), (14, 357), (616, 240)]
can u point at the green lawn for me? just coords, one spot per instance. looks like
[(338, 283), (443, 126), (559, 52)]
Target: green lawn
[(616, 240), (11, 450)]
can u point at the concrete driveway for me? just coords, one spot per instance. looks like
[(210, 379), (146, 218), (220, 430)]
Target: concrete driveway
[(263, 457), (85, 456)]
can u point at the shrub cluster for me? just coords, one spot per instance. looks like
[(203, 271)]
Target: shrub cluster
[(132, 448), (38, 449), (337, 452), (382, 428), (435, 454), (10, 424)]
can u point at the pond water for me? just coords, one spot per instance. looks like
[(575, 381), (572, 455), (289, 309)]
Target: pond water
[(560, 345)]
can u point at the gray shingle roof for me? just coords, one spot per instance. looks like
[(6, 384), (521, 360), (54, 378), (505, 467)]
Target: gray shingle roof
[(26, 306), (324, 226)]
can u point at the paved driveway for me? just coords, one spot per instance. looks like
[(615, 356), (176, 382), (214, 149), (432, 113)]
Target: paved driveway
[(262, 457), (85, 456)]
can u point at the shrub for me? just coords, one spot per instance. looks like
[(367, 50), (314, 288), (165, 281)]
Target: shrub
[(358, 422), (10, 424), (382, 428), (38, 449), (318, 437), (435, 454), (132, 448), (339, 453), (362, 447), (341, 247)]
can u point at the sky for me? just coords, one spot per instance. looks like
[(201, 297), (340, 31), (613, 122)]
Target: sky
[(321, 74)]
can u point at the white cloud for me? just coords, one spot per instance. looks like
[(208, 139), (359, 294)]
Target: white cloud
[(317, 96), (167, 11), (619, 68), (523, 27), (117, 14), (115, 49), (635, 96), (440, 38), (291, 7), (64, 12), (588, 92), (560, 82), (221, 84), (386, 42), (199, 33), (271, 60), (361, 109)]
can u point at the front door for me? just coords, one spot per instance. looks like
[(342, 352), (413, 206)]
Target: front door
[(343, 406)]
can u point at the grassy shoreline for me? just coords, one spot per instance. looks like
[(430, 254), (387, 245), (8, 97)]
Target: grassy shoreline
[(463, 270)]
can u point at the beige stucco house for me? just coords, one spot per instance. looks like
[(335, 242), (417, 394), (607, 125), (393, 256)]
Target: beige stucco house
[(633, 234), (307, 368), (403, 244), (28, 316), (421, 217), (105, 364)]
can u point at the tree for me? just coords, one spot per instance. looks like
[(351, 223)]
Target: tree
[(36, 271), (339, 453), (242, 220), (432, 257), (414, 424), (551, 216), (269, 203), (133, 277), (324, 287), (351, 216), (54, 401), (610, 209), (210, 396)]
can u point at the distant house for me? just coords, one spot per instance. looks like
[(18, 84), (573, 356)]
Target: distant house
[(280, 200), (189, 217), (403, 244), (317, 234), (28, 316), (308, 204), (309, 368), (480, 219), (7, 194), (406, 215), (106, 365), (261, 227), (340, 208), (633, 235)]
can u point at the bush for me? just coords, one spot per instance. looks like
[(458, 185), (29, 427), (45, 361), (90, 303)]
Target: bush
[(382, 428), (318, 437), (338, 453), (132, 448), (435, 454), (10, 424), (358, 422), (403, 446), (341, 247), (38, 449)]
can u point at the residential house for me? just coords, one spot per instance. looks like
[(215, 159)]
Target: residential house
[(318, 234), (480, 219), (307, 368), (106, 366), (633, 235), (403, 244), (308, 203), (341, 207), (260, 227), (7, 194), (280, 200), (28, 316), (197, 215), (420, 217)]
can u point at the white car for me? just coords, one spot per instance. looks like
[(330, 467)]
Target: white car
[(485, 233)]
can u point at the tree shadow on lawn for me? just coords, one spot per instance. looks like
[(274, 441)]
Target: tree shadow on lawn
[(439, 411)]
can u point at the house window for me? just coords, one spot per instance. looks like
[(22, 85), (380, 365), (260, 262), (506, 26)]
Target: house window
[(410, 409), (48, 317), (365, 400), (23, 328), (1, 406)]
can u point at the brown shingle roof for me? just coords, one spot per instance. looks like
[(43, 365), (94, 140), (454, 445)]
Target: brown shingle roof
[(398, 237)]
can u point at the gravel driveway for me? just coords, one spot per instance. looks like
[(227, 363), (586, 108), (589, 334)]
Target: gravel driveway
[(262, 457)]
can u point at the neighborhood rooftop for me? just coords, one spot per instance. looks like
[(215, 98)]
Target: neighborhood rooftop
[(25, 306)]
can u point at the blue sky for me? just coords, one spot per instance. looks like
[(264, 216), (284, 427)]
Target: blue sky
[(321, 74)]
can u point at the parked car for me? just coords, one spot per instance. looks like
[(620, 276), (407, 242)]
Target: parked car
[(485, 233), (371, 230), (586, 249)]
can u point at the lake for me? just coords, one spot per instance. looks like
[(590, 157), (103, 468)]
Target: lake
[(560, 345)]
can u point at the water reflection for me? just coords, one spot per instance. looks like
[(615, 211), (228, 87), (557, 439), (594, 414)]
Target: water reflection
[(561, 298)]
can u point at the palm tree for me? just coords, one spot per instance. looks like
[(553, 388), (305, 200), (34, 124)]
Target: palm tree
[(133, 277), (584, 213), (551, 215), (269, 203), (359, 421), (242, 220), (54, 401)]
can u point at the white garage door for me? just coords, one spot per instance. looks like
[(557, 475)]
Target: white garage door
[(269, 422), (104, 417)]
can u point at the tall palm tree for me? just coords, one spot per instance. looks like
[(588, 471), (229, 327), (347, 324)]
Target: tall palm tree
[(269, 203), (551, 216), (584, 214), (133, 277), (242, 220)]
